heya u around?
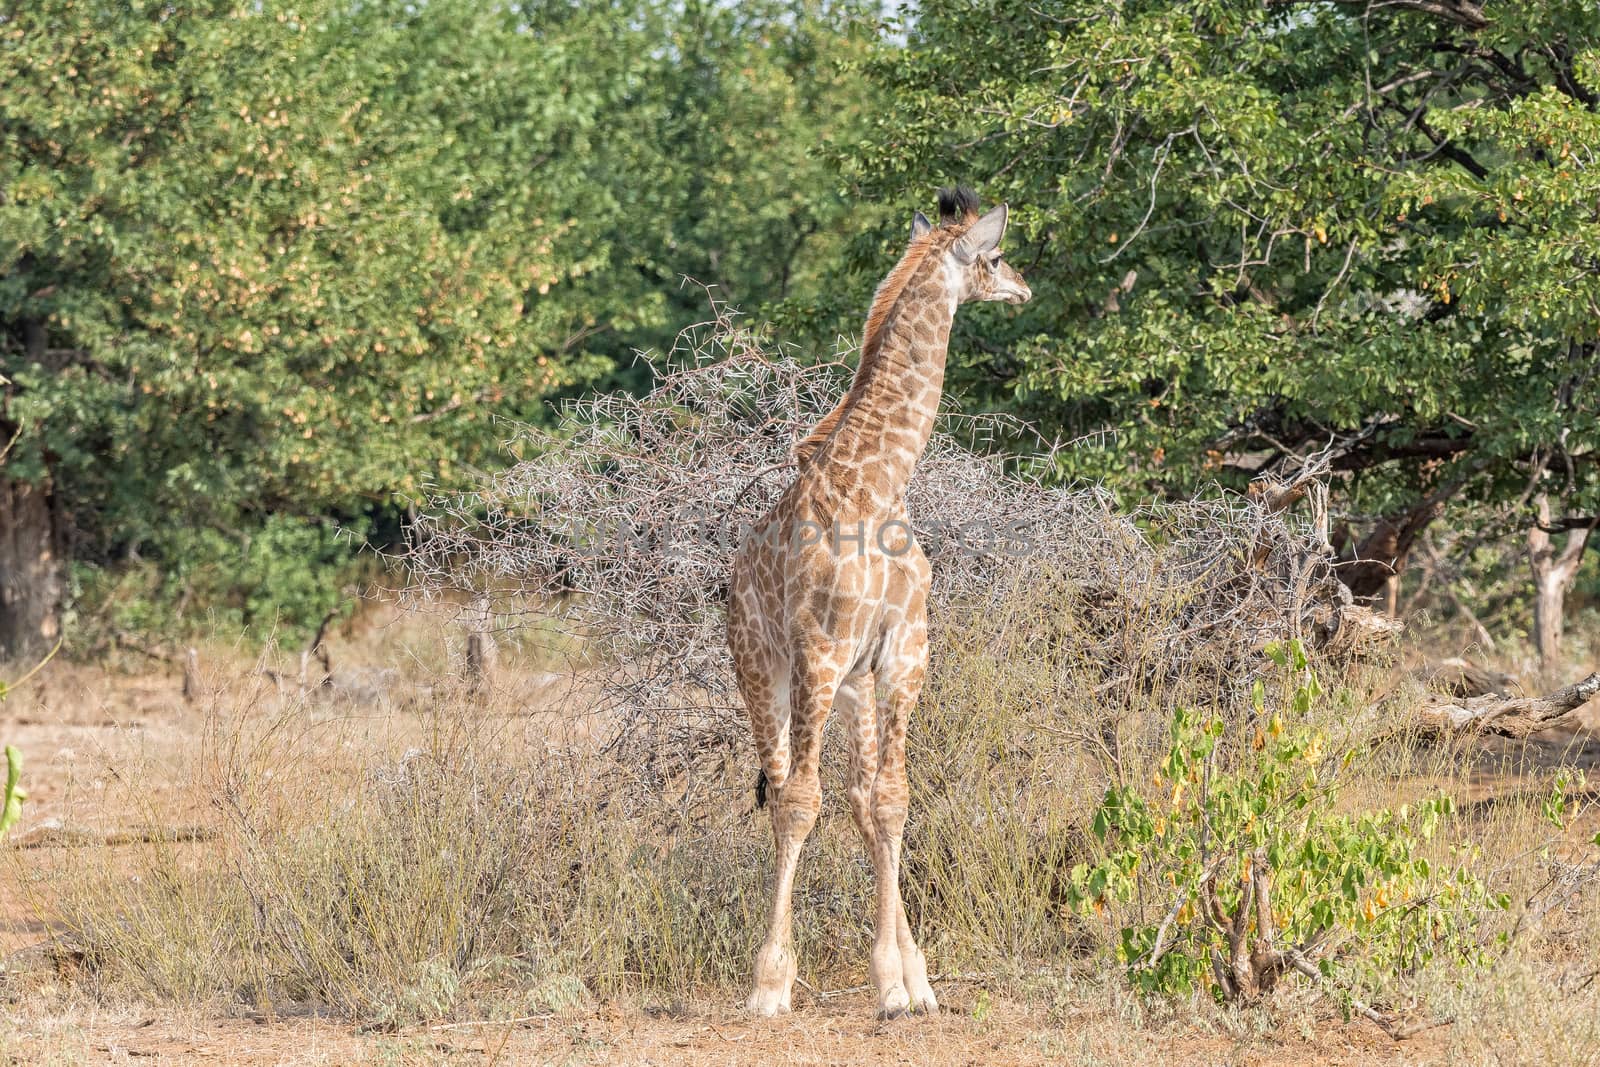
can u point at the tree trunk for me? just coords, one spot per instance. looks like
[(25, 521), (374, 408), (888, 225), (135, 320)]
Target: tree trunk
[(1366, 566), (1553, 573), (483, 654), (1380, 556), (30, 570), (30, 535)]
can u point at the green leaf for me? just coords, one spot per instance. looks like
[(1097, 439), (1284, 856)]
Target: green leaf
[(14, 794)]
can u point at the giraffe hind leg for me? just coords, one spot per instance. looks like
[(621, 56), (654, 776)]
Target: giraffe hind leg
[(796, 800), (858, 709), (764, 682)]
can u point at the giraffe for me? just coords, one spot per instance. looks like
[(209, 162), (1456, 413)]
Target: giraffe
[(828, 597)]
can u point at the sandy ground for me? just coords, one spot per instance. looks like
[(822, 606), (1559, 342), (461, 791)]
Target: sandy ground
[(838, 1032)]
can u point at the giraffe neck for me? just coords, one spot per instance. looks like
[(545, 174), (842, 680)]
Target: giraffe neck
[(887, 416)]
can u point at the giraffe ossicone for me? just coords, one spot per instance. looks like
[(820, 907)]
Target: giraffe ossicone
[(837, 618)]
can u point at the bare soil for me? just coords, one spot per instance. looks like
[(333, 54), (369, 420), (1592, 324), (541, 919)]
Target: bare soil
[(837, 1032)]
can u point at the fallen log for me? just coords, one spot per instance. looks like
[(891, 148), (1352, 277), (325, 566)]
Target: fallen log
[(1507, 716), (52, 834), (1458, 677)]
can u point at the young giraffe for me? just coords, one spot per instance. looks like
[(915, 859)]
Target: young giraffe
[(829, 592)]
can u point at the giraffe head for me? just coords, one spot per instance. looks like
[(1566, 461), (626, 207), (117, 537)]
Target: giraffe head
[(970, 246)]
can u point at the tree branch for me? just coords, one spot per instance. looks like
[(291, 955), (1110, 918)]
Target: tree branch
[(1467, 13)]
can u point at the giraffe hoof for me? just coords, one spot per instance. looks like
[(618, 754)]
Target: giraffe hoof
[(766, 1003), (894, 1004), (923, 1002)]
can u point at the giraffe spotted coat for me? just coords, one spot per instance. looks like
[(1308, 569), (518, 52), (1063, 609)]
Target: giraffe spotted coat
[(828, 606)]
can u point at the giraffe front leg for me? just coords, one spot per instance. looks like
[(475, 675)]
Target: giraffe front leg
[(900, 970)]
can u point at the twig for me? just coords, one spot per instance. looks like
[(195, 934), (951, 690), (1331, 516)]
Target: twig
[(63, 837), (1303, 966), (1163, 932), (545, 1017), (37, 667)]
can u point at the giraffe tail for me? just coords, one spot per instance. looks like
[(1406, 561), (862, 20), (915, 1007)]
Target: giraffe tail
[(761, 788)]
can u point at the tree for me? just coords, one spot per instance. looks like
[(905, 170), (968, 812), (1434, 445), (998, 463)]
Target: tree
[(268, 270), (1553, 573), (264, 262), (1266, 230), (717, 157)]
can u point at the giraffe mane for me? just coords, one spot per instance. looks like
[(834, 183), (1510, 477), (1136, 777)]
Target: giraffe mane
[(884, 301)]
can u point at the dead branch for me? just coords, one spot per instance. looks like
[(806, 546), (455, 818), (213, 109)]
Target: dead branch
[(318, 648), (483, 654), (1459, 677), (1387, 1023), (1163, 941), (52, 835), (1515, 716)]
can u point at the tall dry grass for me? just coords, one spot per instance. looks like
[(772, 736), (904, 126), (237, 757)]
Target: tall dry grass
[(462, 855)]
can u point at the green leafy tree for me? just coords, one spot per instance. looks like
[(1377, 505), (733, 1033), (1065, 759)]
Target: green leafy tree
[(267, 270), (720, 162), (1262, 230), (271, 260)]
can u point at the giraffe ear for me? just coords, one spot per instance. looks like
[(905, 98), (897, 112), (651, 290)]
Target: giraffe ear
[(920, 226), (983, 236)]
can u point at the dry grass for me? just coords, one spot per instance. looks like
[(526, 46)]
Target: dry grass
[(457, 857)]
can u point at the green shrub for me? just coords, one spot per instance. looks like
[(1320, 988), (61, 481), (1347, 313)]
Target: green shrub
[(1234, 864), (282, 577)]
